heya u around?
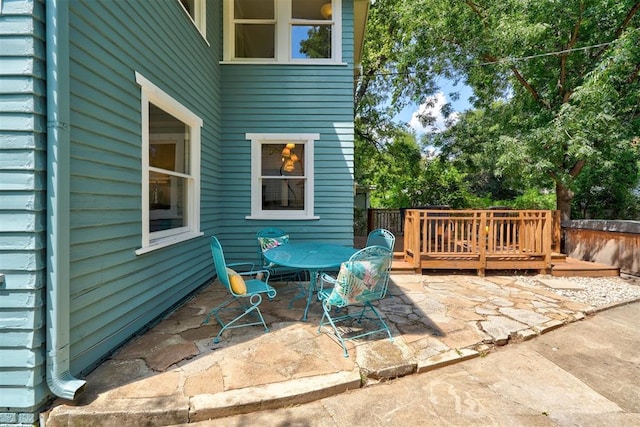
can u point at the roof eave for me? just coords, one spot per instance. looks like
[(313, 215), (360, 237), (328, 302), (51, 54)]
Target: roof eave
[(360, 14)]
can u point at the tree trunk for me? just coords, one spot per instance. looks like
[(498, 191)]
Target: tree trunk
[(564, 196)]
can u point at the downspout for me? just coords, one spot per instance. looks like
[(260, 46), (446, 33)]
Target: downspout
[(59, 379)]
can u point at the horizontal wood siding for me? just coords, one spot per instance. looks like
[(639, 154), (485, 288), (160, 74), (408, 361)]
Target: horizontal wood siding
[(290, 99), (114, 292), (22, 206)]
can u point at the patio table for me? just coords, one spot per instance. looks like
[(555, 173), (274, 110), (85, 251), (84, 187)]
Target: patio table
[(311, 256)]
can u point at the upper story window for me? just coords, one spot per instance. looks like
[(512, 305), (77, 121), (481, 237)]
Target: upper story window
[(170, 169), (282, 185), (283, 31), (197, 11)]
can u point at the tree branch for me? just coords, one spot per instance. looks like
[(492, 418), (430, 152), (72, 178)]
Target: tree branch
[(575, 170), (634, 75), (476, 9), (362, 88), (368, 138), (634, 9), (529, 88), (523, 82), (563, 58), (367, 77), (625, 23)]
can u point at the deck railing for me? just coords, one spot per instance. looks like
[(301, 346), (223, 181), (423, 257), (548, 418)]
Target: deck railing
[(481, 239)]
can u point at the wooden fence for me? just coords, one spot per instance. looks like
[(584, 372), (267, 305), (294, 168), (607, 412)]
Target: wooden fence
[(612, 242), (389, 219), (481, 239)]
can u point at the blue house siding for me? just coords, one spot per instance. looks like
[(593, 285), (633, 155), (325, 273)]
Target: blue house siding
[(290, 99), (22, 208), (115, 292)]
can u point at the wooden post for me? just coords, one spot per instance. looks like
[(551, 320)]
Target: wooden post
[(547, 237), (417, 241), (370, 220), (557, 232), (482, 244)]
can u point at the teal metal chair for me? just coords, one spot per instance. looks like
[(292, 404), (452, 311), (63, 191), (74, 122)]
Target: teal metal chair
[(381, 237), (268, 238), (361, 281), (245, 293)]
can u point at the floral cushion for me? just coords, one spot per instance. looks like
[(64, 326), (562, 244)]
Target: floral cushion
[(267, 243), (359, 281)]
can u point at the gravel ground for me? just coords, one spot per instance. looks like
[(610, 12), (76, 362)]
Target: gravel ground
[(596, 291)]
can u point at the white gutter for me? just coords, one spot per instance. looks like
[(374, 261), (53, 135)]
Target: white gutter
[(59, 379)]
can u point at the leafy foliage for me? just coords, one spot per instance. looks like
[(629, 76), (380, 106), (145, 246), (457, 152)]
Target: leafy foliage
[(404, 178), (318, 42), (556, 104)]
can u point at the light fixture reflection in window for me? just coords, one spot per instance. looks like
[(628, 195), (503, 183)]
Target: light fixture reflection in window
[(326, 10), (289, 158)]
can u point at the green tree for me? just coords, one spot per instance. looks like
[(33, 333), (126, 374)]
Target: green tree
[(403, 177), (556, 83), (602, 189), (318, 42)]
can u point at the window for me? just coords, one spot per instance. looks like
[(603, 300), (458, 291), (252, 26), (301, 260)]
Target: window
[(298, 31), (197, 11), (282, 176), (170, 169)]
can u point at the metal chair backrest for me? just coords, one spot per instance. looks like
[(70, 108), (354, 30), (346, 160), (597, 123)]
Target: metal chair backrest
[(362, 279), (380, 258), (381, 237), (219, 262), (268, 237), (271, 232)]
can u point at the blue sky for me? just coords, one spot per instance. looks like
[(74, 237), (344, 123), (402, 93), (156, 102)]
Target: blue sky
[(408, 114)]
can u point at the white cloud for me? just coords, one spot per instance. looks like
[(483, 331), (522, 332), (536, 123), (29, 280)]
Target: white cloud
[(432, 108)]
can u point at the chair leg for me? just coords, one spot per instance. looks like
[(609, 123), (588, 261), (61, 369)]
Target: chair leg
[(382, 325), (230, 324), (336, 332), (380, 319), (253, 308)]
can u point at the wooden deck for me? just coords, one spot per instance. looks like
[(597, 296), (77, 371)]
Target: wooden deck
[(512, 260), (561, 267), (570, 267)]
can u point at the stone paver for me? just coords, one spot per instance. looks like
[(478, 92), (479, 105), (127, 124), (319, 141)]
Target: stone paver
[(560, 284), (435, 321)]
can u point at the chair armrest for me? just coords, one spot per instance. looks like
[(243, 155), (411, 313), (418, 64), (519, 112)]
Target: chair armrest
[(248, 269), (244, 266), (326, 278), (261, 274)]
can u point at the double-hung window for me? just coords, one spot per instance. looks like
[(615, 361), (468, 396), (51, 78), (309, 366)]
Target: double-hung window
[(283, 31), (170, 169), (282, 176)]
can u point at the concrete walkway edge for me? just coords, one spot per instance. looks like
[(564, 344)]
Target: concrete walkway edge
[(272, 396)]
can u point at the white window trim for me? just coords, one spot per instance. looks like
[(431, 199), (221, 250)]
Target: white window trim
[(200, 13), (257, 139), (283, 37), (150, 93)]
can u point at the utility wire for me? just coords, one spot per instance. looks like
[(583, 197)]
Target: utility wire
[(526, 58), (500, 61)]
